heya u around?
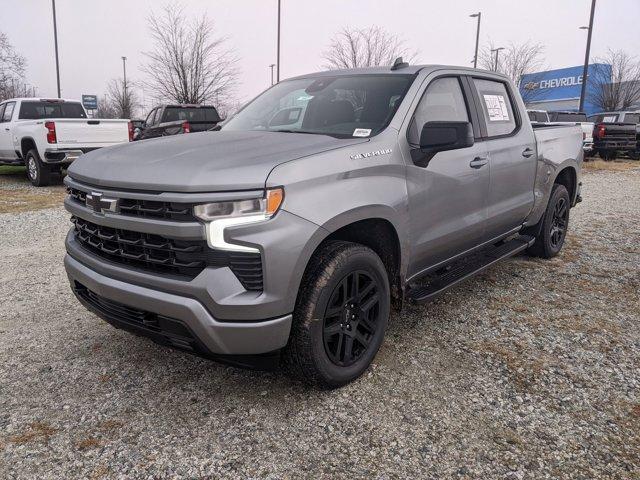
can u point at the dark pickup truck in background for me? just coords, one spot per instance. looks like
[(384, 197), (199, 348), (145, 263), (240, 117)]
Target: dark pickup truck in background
[(616, 132), (167, 120)]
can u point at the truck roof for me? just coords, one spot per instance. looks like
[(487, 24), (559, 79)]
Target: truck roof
[(409, 69), (37, 99)]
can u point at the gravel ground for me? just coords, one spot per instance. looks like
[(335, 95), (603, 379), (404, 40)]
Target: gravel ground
[(531, 370)]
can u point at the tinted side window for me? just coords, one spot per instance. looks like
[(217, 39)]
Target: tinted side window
[(1, 111), (443, 101), (496, 107), (632, 118), (8, 111), (149, 120)]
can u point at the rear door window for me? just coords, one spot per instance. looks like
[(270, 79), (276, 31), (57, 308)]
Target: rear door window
[(443, 101), (496, 107), (34, 110), (8, 111)]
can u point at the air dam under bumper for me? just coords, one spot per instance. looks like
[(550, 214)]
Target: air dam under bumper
[(219, 338)]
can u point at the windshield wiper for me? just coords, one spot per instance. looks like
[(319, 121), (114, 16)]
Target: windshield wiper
[(298, 131)]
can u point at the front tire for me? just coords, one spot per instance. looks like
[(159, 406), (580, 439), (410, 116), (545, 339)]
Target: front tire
[(555, 222), (39, 174), (340, 316)]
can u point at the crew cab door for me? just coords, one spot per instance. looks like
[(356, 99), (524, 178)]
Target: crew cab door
[(7, 151), (151, 124), (447, 197), (512, 155)]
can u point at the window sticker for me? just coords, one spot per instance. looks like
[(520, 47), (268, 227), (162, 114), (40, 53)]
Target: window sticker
[(497, 108), (362, 132)]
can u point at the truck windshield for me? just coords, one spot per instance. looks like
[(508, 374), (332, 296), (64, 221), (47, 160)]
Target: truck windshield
[(191, 114), (340, 106), (38, 110)]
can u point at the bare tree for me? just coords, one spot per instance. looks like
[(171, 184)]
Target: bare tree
[(516, 61), (364, 47), (105, 109), (12, 68), (123, 98), (189, 63), (614, 81)]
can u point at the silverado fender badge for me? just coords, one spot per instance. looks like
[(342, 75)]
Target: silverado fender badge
[(99, 204), (358, 156)]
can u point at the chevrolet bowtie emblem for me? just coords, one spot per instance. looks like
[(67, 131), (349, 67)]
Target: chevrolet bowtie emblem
[(100, 204)]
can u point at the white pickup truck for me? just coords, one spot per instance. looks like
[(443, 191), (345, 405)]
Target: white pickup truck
[(47, 135)]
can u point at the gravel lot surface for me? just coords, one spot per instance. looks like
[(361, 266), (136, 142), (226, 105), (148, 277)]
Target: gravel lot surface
[(531, 370)]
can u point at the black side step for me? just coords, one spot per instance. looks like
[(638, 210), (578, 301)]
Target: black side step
[(437, 282)]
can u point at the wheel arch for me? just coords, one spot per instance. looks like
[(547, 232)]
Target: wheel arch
[(568, 177), (374, 230), (26, 144)]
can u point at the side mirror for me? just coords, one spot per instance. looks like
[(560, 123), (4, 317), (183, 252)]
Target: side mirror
[(442, 136)]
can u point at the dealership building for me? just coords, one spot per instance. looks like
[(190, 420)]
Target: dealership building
[(560, 89)]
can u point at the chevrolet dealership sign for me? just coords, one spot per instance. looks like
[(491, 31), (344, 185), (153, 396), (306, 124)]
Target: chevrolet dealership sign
[(562, 84)]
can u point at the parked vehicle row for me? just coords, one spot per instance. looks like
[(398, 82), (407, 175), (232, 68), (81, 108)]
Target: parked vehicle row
[(288, 237), (606, 134), (47, 135)]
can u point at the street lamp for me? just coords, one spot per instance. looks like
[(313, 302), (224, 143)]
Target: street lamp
[(278, 59), (55, 42), (124, 71), (475, 57), (585, 69), (497, 50), (271, 67)]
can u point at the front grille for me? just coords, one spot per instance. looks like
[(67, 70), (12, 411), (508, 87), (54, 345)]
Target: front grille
[(162, 329), (177, 212), (165, 255)]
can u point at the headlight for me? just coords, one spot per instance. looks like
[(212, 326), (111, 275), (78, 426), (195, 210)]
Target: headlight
[(219, 215)]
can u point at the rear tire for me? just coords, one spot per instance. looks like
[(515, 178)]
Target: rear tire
[(608, 155), (39, 174), (340, 316), (555, 222)]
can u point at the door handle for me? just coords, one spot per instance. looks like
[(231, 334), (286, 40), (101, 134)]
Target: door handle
[(528, 152), (478, 162), (6, 129)]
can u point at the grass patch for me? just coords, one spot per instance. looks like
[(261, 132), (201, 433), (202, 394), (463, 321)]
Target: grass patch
[(26, 200), (613, 166), (87, 443), (37, 431), (12, 170)]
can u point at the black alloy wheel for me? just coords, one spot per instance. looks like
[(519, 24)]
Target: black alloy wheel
[(351, 318), (559, 223)]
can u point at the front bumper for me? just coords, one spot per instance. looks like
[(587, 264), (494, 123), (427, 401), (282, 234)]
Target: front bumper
[(150, 309)]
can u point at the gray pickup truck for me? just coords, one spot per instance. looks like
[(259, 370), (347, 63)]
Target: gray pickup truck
[(286, 237)]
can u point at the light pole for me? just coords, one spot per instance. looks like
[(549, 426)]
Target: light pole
[(278, 59), (55, 41), (475, 57), (124, 73), (585, 69), (271, 67), (497, 50)]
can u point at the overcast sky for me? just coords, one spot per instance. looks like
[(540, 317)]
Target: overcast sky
[(93, 35)]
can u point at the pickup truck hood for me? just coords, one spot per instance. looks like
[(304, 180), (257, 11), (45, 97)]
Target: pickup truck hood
[(199, 162)]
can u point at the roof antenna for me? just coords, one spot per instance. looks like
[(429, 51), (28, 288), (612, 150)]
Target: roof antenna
[(399, 63)]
